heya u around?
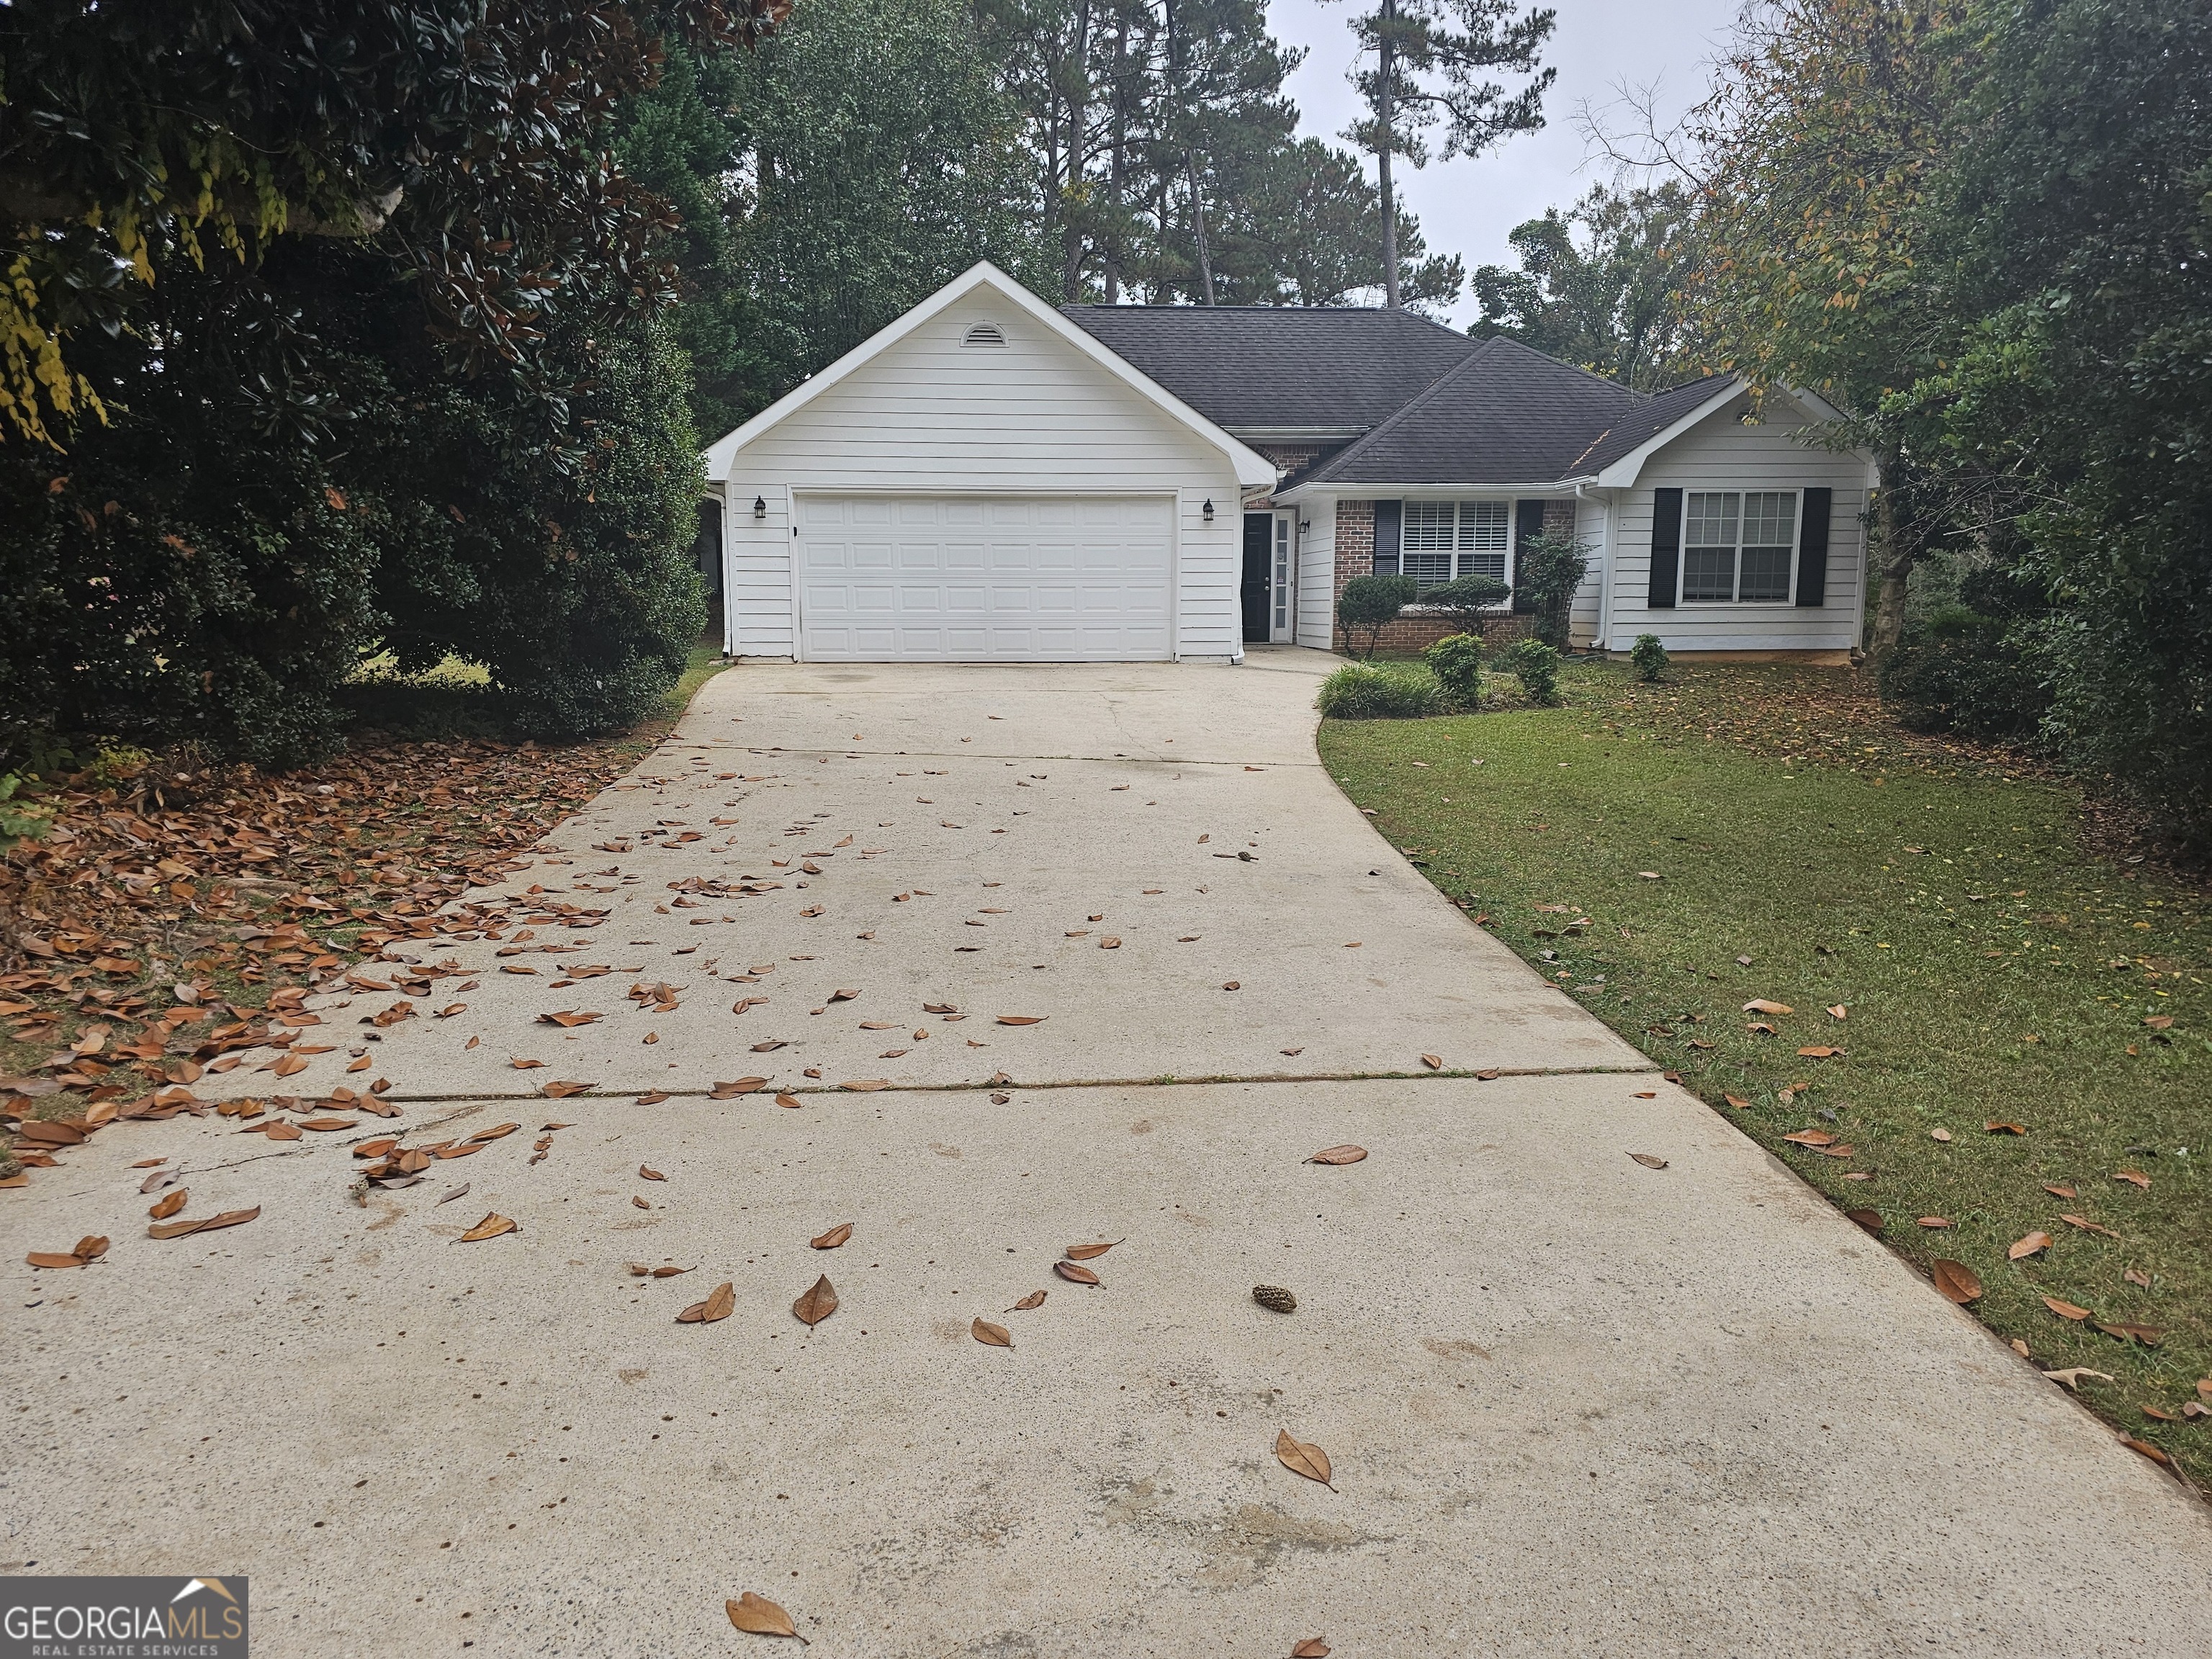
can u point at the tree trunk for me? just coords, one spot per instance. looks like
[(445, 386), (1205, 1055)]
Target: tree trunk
[(1078, 120), (1198, 228), (1117, 173), (1893, 561), (1385, 112)]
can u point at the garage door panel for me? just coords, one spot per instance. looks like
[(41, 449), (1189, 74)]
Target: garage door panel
[(1009, 579)]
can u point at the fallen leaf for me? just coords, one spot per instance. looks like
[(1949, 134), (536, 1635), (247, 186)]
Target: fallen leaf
[(1231, 985), (2137, 1276), (54, 1259), (2033, 1244), (567, 1019), (2149, 1335), (1811, 1138), (1344, 1154), (2065, 1309), (1312, 1648), (790, 1101), (2000, 1128), (830, 1240), (758, 1616), (490, 1227), (1761, 1005), (2144, 1448), (996, 1336), (1088, 1252), (1432, 1062), (842, 996), (645, 1174), (2072, 1376), (1023, 1020), (1956, 1280), (864, 1084), (2087, 1225), (1300, 1457), (1869, 1219), (527, 1065), (1075, 1275), (2133, 1177), (1933, 1221), (731, 1090), (1033, 1299), (1649, 1160), (276, 1130), (169, 1205), (204, 1224), (718, 1305), (653, 1096), (562, 1090), (1740, 1104), (1818, 1053), (818, 1303), (1838, 1011), (2060, 1192)]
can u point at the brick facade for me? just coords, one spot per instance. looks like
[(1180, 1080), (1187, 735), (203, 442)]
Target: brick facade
[(1355, 556)]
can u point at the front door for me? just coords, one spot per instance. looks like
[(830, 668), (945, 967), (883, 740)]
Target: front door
[(1258, 570)]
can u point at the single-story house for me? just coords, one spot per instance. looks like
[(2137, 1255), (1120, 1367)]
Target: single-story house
[(993, 479)]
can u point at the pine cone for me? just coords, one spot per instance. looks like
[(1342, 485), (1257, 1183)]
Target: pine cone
[(1274, 1298)]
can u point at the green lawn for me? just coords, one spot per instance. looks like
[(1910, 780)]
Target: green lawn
[(1991, 969)]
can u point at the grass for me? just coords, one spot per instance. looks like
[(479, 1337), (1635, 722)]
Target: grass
[(1993, 967)]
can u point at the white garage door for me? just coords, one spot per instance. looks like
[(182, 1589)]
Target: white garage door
[(985, 578)]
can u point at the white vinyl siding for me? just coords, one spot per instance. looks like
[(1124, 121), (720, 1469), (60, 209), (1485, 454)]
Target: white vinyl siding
[(1442, 541), (928, 416), (1724, 457), (1317, 573)]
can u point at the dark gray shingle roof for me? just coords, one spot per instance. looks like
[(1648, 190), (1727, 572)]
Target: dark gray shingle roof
[(1256, 366), (1509, 415)]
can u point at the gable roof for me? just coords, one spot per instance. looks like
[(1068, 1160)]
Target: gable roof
[(1322, 369), (1253, 471), (1661, 416)]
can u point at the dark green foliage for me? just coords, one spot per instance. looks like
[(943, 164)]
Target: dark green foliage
[(1649, 657), (1371, 603), (1961, 671), (1471, 603), (1360, 691), (1456, 661), (1552, 567), (1536, 665)]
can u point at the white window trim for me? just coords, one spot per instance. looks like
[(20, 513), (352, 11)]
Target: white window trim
[(1458, 503), (1682, 551)]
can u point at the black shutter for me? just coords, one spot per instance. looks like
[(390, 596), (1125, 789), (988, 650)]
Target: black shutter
[(1812, 547), (1387, 516), (1528, 522), (1666, 548)]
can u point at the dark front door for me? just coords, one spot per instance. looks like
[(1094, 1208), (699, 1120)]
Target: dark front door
[(1259, 563)]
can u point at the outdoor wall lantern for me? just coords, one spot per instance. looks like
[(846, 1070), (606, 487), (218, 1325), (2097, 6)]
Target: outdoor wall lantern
[(1209, 509), (1304, 526), (760, 506)]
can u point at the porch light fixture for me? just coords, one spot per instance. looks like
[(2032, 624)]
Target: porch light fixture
[(1208, 509), (760, 506)]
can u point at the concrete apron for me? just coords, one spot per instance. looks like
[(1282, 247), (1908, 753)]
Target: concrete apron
[(1575, 1405)]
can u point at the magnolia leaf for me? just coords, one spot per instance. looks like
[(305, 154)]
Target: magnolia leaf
[(865, 1083), (818, 1303), (1075, 1275), (2033, 1244), (1956, 1280), (645, 1174), (1088, 1252), (758, 1616), (1023, 1020), (1301, 1458), (743, 1085), (1761, 1005), (1344, 1154), (54, 1259), (1869, 1219), (169, 1205), (996, 1336), (1033, 1299), (1434, 1062), (1649, 1160), (791, 1100), (206, 1224), (491, 1226), (2072, 1376), (830, 1240), (1312, 1648), (718, 1305)]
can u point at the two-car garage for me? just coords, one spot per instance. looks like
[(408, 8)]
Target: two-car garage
[(982, 482), (1004, 578)]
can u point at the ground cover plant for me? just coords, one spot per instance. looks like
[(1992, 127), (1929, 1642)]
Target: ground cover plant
[(1908, 966)]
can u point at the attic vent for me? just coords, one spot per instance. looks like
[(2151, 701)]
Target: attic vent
[(984, 334)]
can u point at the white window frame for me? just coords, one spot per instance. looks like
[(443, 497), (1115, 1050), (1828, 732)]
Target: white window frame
[(1454, 533), (1796, 499)]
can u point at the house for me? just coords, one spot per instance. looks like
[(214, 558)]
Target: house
[(993, 479)]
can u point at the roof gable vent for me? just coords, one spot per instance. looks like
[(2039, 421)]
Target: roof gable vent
[(983, 334)]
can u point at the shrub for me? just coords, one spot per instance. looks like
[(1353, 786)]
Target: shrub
[(1469, 602), (1959, 671), (1372, 603), (1536, 665), (1456, 661), (1552, 567), (1360, 691), (1649, 657)]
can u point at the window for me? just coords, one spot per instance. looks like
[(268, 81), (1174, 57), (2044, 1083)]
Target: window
[(984, 334), (1439, 541), (1738, 546)]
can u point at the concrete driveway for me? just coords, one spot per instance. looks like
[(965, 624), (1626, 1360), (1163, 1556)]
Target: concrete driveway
[(1574, 1404)]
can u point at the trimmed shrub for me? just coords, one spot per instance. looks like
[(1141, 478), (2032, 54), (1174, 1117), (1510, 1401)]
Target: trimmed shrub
[(1456, 661), (1470, 602), (1360, 691), (1959, 671), (1649, 657), (1372, 603), (1552, 567), (1536, 665)]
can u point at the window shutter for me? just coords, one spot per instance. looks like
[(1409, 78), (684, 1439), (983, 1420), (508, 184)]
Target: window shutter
[(1812, 547), (1387, 516), (1666, 548), (1528, 522)]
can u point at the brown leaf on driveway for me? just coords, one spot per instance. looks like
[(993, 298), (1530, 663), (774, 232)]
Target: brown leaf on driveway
[(527, 1065), (940, 1007), (1956, 1280), (1302, 1457), (1073, 1274), (830, 1240), (2144, 1448), (567, 1018), (2033, 1244), (718, 1303), (206, 1224), (1023, 1020), (842, 996), (818, 1303), (1312, 1648), (792, 1101), (756, 1615), (1649, 1160), (645, 1174), (491, 1226), (276, 1130), (653, 1096), (169, 1205), (1434, 1062), (1033, 1299), (1088, 1252), (562, 1090), (864, 1084), (640, 1202), (1231, 985), (996, 1336), (1346, 1154), (731, 1090)]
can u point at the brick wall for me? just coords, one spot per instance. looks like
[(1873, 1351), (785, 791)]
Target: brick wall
[(1355, 556), (1289, 458)]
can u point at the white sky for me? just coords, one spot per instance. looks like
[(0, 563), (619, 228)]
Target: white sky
[(1468, 207)]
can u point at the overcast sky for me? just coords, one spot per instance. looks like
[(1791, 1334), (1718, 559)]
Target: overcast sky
[(1468, 207)]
